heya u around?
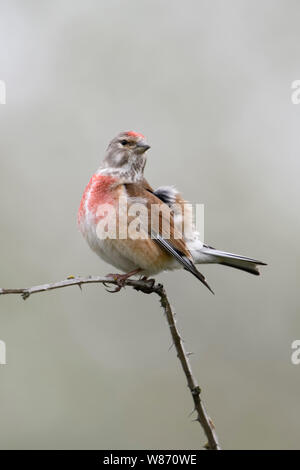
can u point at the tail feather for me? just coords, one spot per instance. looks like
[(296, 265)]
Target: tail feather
[(201, 278), (230, 259)]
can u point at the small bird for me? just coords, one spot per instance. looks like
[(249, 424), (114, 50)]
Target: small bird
[(121, 178)]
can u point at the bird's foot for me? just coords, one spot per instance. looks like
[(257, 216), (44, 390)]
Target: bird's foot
[(147, 279), (147, 286), (120, 280)]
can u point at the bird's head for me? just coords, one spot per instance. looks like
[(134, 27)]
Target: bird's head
[(126, 153)]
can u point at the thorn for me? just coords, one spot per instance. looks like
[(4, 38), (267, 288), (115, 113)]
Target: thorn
[(25, 295), (79, 285), (192, 412), (196, 419)]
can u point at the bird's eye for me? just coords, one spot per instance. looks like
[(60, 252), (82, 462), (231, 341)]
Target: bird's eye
[(124, 142)]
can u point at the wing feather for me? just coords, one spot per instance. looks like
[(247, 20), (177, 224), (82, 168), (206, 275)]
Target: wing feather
[(174, 245)]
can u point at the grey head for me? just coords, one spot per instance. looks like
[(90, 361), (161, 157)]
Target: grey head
[(126, 155)]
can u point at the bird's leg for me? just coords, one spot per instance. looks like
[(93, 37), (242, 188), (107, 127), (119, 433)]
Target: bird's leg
[(120, 279)]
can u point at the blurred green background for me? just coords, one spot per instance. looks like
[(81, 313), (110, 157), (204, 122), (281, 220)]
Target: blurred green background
[(209, 84)]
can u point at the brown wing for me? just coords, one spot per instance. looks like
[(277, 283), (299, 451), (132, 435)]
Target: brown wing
[(164, 231), (170, 196), (146, 185)]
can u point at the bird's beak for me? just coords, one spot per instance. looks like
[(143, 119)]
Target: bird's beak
[(142, 147)]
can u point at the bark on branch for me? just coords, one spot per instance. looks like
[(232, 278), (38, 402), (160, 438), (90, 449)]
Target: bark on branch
[(147, 287)]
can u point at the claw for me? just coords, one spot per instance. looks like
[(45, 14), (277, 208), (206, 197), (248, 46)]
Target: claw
[(120, 280), (113, 291), (106, 288)]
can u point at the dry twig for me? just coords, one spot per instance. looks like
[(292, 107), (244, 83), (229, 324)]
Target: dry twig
[(148, 287)]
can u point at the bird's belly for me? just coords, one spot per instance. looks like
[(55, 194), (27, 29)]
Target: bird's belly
[(127, 254)]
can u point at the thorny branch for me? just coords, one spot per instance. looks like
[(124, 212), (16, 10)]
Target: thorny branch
[(148, 287)]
